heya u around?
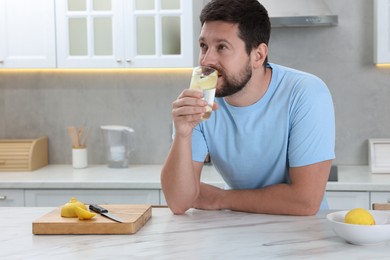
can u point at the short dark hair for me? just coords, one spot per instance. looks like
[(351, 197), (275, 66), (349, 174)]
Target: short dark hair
[(251, 16)]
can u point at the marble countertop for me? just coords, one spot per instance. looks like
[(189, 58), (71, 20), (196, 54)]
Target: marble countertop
[(195, 235), (95, 177), (359, 178), (350, 178)]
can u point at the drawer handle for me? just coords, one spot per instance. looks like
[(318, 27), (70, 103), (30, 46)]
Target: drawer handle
[(3, 197), (388, 200)]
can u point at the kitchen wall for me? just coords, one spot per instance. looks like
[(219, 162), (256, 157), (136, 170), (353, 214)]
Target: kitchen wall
[(36, 103)]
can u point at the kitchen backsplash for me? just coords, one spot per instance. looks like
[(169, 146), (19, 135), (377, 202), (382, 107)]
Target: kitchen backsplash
[(45, 103)]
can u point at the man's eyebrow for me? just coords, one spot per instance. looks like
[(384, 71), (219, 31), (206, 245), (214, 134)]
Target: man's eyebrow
[(202, 39)]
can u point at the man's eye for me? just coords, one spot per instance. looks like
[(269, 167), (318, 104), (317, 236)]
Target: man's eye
[(221, 47)]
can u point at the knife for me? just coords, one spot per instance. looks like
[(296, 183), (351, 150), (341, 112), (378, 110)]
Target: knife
[(104, 212)]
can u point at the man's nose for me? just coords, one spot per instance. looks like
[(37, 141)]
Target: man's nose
[(208, 58)]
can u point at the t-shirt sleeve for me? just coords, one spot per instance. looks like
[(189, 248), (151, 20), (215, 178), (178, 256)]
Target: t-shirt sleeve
[(199, 145), (312, 133)]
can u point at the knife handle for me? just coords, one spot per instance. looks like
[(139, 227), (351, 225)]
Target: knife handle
[(97, 208)]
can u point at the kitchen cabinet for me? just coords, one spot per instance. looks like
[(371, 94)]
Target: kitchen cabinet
[(11, 197), (379, 197), (126, 33), (341, 200), (56, 197), (163, 202), (27, 34), (382, 31)]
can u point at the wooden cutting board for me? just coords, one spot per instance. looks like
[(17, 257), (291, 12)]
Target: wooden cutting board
[(134, 216)]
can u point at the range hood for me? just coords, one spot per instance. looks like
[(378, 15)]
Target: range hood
[(299, 13)]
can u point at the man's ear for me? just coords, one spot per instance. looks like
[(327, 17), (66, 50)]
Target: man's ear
[(259, 55)]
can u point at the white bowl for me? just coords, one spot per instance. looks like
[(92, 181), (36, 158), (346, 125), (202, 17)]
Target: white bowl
[(362, 234)]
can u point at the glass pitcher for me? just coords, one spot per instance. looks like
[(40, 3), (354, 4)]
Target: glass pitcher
[(119, 142)]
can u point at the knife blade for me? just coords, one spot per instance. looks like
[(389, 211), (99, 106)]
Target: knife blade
[(104, 212)]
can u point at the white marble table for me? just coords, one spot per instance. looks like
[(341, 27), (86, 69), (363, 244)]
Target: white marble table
[(195, 235)]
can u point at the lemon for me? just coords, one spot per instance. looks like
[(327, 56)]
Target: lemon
[(84, 214), (68, 210), (208, 82), (359, 216)]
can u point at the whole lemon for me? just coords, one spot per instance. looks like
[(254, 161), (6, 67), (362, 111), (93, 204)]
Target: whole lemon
[(359, 216)]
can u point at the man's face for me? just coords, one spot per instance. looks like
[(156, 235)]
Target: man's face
[(222, 49)]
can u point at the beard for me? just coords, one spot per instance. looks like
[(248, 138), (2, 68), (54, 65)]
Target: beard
[(234, 83)]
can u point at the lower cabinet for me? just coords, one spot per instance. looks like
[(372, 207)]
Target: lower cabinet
[(163, 202), (54, 198), (380, 197), (11, 197), (337, 200), (344, 200)]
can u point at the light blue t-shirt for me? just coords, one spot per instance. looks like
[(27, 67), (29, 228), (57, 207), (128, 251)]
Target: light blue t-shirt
[(291, 125)]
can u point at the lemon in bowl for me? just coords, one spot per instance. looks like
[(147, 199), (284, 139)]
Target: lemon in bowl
[(359, 216), (361, 234)]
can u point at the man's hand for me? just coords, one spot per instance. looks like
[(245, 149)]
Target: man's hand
[(187, 111), (209, 197)]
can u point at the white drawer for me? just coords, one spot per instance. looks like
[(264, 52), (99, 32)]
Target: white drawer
[(49, 198), (163, 202), (11, 198), (379, 197), (344, 200)]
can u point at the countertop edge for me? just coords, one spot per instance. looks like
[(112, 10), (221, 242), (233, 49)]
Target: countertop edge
[(147, 176)]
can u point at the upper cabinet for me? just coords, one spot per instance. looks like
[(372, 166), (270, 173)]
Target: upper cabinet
[(126, 33), (27, 34), (382, 31)]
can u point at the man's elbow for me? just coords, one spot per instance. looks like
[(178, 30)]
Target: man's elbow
[(309, 208), (311, 211), (177, 210)]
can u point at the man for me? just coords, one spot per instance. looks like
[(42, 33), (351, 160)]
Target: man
[(271, 134)]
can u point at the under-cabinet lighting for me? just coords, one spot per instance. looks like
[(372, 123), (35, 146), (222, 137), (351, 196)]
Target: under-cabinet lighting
[(386, 66)]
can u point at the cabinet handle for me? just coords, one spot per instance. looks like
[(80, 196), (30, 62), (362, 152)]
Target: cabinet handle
[(128, 61), (119, 61), (3, 197), (1, 61), (388, 200)]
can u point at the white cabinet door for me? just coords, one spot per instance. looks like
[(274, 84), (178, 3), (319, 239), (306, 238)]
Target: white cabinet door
[(11, 198), (379, 197), (89, 33), (127, 33), (55, 198), (344, 200), (163, 202), (160, 33), (27, 36), (382, 31)]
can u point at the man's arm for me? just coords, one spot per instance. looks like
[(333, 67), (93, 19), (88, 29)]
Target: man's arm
[(302, 196), (180, 176)]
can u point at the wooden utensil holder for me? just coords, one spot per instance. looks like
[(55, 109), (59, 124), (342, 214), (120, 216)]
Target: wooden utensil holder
[(23, 154)]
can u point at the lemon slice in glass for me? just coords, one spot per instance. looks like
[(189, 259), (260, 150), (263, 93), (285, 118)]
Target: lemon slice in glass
[(208, 82)]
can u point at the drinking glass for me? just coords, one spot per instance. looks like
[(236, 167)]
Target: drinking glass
[(205, 79)]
